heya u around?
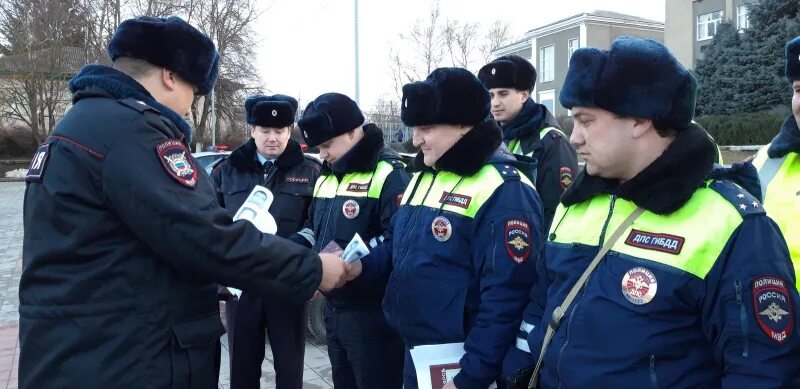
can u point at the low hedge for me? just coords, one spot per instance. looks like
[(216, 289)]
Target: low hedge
[(727, 130), (743, 129)]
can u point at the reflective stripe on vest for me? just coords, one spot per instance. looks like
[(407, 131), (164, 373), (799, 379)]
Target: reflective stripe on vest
[(780, 186), (367, 184), (450, 192), (684, 239), (515, 146), (767, 169)]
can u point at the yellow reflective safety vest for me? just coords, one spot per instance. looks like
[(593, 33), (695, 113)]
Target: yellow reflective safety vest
[(780, 190)]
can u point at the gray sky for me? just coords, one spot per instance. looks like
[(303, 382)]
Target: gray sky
[(306, 47)]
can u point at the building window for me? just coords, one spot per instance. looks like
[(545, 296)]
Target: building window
[(547, 63), (548, 99), (742, 18), (572, 45), (707, 25)]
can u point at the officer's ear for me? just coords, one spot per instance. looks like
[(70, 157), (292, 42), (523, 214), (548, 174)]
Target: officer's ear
[(464, 129), (169, 79), (525, 94), (642, 126)]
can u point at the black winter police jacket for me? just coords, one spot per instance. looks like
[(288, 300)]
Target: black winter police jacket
[(358, 194), (291, 180), (124, 246)]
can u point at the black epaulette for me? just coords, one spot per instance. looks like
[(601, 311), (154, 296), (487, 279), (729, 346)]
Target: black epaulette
[(507, 171), (152, 116), (137, 105), (741, 199), (397, 164)]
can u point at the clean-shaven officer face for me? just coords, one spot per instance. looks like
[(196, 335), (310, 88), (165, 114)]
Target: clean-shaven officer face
[(796, 101), (271, 142), (437, 139), (506, 103), (338, 146), (604, 141)]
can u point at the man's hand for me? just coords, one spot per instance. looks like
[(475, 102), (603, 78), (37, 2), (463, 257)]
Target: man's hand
[(449, 385), (354, 271), (333, 272)]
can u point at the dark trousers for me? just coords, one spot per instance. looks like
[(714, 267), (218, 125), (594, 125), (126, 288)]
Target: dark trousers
[(365, 352), (409, 372), (285, 324)]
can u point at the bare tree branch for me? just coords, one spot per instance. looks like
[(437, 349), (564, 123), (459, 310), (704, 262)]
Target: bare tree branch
[(430, 41), (499, 34)]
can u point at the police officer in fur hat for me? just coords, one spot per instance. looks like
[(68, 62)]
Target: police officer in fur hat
[(465, 241), (358, 192), (124, 240), (779, 164), (529, 128), (696, 289), (273, 160)]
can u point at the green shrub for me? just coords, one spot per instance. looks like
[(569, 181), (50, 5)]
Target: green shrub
[(742, 129)]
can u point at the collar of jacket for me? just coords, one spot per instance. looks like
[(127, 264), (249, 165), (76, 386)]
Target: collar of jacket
[(104, 81), (532, 118), (665, 185), (363, 156), (470, 153), (787, 140), (244, 157)]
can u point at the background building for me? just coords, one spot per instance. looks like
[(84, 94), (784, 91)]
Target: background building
[(550, 47), (690, 25)]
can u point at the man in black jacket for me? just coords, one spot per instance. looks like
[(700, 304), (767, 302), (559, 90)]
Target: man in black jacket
[(529, 128), (273, 160), (124, 240), (359, 191)]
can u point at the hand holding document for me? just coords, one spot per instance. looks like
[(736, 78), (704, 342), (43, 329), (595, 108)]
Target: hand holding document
[(437, 364), (256, 210), (354, 251)]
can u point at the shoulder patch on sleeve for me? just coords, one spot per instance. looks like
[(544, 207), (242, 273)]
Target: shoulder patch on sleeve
[(38, 164), (177, 161), (741, 199), (565, 176), (517, 238), (773, 308)]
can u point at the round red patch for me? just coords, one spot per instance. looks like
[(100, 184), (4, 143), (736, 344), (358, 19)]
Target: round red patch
[(442, 229), (350, 209), (639, 285)]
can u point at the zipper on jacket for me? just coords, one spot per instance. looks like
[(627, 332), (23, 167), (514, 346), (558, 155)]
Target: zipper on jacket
[(330, 209), (737, 285), (400, 263), (576, 303), (653, 377), (608, 220)]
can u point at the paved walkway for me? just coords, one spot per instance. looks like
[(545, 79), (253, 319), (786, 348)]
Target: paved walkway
[(317, 373), (11, 194)]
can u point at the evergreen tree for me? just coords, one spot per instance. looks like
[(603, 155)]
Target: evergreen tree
[(743, 72)]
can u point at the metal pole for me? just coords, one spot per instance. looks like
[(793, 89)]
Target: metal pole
[(358, 92), (213, 118)]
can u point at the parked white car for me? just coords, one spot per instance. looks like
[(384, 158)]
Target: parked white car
[(209, 159)]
